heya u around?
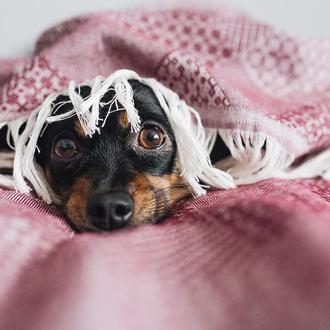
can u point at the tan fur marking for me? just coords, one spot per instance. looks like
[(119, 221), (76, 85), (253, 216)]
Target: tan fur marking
[(143, 197), (79, 130), (154, 195), (123, 119), (76, 204)]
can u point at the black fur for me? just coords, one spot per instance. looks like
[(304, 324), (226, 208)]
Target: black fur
[(108, 158)]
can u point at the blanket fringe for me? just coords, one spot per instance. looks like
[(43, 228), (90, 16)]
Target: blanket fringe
[(192, 142), (254, 155), (318, 165)]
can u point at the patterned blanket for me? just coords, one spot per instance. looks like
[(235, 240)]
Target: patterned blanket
[(255, 257)]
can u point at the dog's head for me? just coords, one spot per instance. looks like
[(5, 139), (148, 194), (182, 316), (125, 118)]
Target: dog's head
[(116, 178)]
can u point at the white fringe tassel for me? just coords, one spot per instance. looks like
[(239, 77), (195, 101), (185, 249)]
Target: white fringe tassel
[(192, 142), (318, 165), (254, 156)]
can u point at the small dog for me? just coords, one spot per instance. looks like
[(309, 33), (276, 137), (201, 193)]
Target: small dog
[(117, 178)]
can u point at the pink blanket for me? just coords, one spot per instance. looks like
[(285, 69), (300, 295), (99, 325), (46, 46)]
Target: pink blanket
[(254, 257)]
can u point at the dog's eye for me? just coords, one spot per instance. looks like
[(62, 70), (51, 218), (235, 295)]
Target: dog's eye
[(151, 137), (65, 148)]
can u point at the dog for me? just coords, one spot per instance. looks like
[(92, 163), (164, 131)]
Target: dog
[(117, 178)]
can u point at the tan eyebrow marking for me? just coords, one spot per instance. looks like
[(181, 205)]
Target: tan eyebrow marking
[(79, 130), (123, 119)]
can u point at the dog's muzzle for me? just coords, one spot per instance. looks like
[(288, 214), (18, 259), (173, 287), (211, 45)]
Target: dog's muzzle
[(110, 210)]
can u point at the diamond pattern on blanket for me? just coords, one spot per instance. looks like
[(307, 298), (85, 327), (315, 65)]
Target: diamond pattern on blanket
[(28, 87)]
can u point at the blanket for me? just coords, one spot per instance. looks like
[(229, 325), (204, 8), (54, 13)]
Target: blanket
[(254, 257)]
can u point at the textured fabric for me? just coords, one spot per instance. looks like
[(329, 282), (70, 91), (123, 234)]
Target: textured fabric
[(255, 257), (238, 73)]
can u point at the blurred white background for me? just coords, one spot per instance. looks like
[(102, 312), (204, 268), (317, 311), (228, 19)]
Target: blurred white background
[(22, 21)]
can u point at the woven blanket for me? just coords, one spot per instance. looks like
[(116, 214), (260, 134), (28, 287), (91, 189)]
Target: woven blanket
[(254, 257)]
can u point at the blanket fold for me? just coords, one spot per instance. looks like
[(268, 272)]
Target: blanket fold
[(254, 257)]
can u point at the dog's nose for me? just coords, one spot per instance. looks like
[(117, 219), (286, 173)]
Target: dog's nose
[(111, 210)]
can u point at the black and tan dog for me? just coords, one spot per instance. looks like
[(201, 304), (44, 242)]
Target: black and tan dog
[(116, 178)]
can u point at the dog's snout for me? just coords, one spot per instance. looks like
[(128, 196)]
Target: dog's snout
[(111, 210)]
